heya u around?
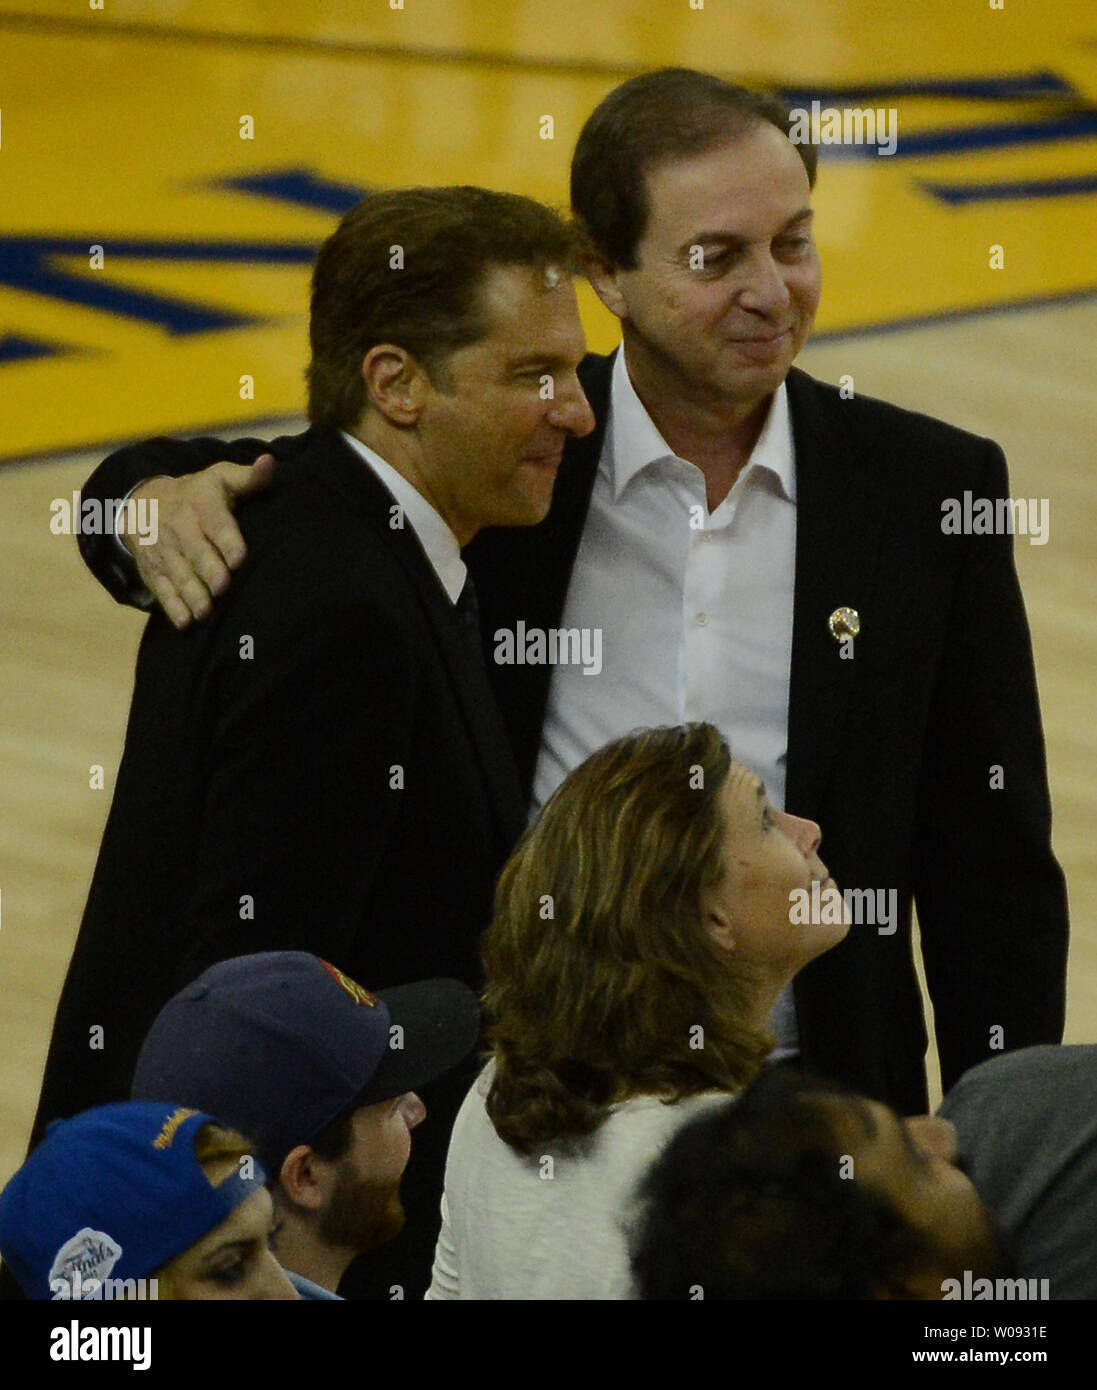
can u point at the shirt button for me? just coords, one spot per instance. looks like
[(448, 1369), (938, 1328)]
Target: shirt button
[(702, 619), (706, 535)]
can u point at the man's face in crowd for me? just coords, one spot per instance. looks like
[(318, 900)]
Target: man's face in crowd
[(365, 1208), (491, 440), (726, 330), (913, 1162)]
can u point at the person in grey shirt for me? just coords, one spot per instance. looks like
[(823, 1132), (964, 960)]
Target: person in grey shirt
[(1027, 1129)]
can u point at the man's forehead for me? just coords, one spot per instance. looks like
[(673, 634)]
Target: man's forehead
[(525, 306), (760, 147), (731, 184), (503, 285)]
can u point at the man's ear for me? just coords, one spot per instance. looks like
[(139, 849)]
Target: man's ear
[(604, 279), (306, 1178), (396, 383)]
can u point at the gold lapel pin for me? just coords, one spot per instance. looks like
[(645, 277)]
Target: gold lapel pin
[(843, 623)]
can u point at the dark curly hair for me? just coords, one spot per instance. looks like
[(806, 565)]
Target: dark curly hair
[(748, 1202)]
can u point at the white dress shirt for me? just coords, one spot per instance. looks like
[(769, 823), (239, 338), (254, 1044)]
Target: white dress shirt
[(695, 607), (437, 540)]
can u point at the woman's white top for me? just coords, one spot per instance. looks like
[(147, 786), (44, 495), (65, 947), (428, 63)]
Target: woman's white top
[(552, 1225)]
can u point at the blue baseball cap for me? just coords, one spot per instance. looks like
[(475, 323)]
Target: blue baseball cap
[(281, 1042), (113, 1193)]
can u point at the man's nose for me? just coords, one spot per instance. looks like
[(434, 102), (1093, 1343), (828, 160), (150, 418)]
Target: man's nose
[(571, 411), (765, 291), (413, 1109)]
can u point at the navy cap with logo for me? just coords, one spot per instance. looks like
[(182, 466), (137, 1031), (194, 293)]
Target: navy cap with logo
[(280, 1043), (112, 1195)]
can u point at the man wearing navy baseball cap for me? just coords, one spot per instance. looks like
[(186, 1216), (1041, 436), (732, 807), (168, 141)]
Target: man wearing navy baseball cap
[(321, 1074)]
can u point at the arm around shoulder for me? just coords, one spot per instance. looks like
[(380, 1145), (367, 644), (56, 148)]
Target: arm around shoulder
[(189, 540)]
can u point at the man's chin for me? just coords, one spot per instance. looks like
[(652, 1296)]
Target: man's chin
[(756, 379), (531, 511), (391, 1222), (381, 1233), (384, 1224), (360, 1225)]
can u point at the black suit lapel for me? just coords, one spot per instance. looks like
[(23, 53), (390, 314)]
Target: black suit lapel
[(839, 495), (348, 474)]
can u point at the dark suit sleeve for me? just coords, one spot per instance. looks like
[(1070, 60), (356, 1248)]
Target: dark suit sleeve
[(121, 472), (299, 797), (990, 895)]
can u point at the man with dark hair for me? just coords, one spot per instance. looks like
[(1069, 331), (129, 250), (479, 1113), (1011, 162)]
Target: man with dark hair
[(322, 1075), (323, 766), (801, 1190), (653, 119), (734, 525), (767, 554)]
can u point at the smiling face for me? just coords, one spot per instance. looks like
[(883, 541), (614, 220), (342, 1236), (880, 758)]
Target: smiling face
[(727, 280), (767, 855), (491, 437)]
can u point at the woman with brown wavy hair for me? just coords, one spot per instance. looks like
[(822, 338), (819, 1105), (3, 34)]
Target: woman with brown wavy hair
[(641, 936)]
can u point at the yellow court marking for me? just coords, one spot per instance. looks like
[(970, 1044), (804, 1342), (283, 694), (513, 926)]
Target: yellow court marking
[(797, 40), (122, 133)]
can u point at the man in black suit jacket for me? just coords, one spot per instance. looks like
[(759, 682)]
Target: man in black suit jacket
[(922, 756), (890, 752), (322, 766)]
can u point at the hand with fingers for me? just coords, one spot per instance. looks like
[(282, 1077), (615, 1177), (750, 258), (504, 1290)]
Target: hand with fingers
[(198, 542)]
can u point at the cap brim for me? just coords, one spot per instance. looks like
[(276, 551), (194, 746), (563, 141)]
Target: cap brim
[(439, 1023)]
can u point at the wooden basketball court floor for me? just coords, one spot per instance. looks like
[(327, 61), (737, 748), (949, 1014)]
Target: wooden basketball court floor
[(121, 128)]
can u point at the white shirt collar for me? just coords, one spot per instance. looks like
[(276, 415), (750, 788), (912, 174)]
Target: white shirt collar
[(436, 538), (636, 442)]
